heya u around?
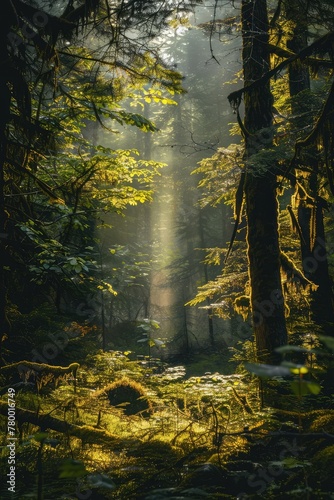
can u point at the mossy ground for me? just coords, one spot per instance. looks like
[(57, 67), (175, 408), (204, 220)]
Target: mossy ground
[(200, 436)]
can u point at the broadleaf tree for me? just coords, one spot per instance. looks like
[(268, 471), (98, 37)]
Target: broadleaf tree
[(43, 46)]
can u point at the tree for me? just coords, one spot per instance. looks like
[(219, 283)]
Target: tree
[(267, 300), (289, 156), (39, 44), (309, 194)]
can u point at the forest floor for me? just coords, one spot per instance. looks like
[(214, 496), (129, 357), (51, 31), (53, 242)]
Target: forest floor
[(144, 429)]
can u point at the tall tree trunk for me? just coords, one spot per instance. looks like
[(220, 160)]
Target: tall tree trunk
[(260, 190), (4, 119), (296, 12), (311, 219), (201, 225), (3, 240)]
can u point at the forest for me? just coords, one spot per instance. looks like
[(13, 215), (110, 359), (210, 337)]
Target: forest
[(166, 249)]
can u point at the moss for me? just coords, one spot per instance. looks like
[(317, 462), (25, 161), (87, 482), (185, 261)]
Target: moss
[(157, 453), (241, 305), (292, 273), (323, 464), (91, 435), (323, 422), (242, 301), (129, 394), (86, 433), (41, 373), (206, 475), (42, 367)]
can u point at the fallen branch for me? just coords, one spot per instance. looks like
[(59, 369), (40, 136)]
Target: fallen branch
[(41, 373), (322, 434), (87, 433), (57, 371)]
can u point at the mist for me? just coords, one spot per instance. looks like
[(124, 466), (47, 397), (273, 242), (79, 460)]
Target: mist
[(174, 230)]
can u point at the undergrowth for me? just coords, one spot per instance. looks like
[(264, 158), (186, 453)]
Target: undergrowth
[(204, 435)]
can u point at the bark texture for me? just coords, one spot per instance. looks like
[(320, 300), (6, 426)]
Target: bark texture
[(5, 100), (310, 216), (260, 189)]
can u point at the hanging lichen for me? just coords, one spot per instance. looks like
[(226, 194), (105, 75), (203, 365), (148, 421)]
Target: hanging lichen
[(294, 277), (322, 136), (242, 306)]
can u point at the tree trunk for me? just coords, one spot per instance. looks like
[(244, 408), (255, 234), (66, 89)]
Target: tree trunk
[(311, 219), (322, 301), (296, 12), (201, 225), (260, 190), (4, 119), (3, 220)]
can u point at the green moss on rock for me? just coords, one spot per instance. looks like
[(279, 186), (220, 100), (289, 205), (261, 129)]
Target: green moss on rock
[(128, 394)]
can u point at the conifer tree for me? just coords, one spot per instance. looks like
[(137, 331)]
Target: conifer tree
[(37, 41), (267, 302), (310, 204)]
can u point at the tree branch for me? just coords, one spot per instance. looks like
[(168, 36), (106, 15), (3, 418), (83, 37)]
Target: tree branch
[(323, 44), (311, 61)]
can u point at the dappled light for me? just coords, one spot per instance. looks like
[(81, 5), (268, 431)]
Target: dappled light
[(166, 249)]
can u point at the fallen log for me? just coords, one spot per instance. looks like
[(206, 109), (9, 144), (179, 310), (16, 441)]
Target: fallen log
[(87, 433), (41, 373)]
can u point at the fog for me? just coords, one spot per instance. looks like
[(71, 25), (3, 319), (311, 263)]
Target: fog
[(172, 231)]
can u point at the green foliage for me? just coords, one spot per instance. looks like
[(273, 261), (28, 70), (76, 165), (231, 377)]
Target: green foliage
[(323, 464), (220, 174), (225, 290), (72, 469), (189, 417), (328, 341), (322, 421), (58, 186), (59, 182), (268, 370)]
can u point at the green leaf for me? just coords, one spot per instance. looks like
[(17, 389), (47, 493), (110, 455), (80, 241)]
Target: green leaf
[(292, 348), (301, 370), (268, 371), (40, 437), (72, 468), (101, 481), (159, 343), (328, 341), (291, 463), (294, 367), (313, 387), (304, 388)]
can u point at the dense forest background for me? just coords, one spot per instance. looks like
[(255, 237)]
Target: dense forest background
[(166, 249)]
